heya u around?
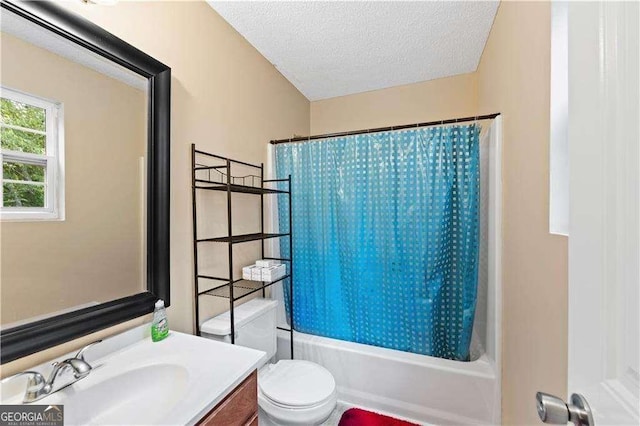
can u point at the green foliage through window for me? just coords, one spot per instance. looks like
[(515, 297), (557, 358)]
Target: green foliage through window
[(23, 182), (19, 171), (21, 141), (22, 195), (22, 115)]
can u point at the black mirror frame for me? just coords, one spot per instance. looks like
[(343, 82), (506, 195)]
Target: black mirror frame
[(29, 338)]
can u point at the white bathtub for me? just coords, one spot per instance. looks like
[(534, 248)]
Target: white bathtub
[(418, 387)]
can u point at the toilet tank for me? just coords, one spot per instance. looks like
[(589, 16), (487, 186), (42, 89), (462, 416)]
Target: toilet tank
[(255, 328)]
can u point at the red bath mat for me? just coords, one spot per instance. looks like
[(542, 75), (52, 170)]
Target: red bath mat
[(358, 417)]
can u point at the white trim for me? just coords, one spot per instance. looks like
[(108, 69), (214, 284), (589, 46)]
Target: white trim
[(24, 182), (559, 120), (26, 98), (53, 159), (59, 199), (25, 157), (494, 297), (23, 129)]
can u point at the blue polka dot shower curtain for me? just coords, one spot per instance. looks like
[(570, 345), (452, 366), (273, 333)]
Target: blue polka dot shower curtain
[(385, 237)]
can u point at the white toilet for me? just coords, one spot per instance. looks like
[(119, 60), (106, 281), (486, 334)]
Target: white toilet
[(290, 392)]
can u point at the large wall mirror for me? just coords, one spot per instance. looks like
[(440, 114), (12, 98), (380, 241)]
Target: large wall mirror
[(84, 219)]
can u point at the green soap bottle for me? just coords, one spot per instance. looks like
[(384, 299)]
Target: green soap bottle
[(160, 325)]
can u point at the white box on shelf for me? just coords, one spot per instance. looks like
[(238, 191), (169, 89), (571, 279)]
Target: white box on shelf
[(273, 273), (247, 272), (266, 263), (256, 273)]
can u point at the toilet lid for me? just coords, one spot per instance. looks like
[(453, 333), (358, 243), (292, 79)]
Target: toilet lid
[(296, 383)]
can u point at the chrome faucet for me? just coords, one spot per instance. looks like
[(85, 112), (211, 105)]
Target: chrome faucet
[(38, 388)]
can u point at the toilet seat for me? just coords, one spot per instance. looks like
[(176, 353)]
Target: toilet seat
[(296, 392), (296, 383)]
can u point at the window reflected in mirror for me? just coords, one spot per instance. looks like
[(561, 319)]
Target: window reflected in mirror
[(73, 140), (32, 166)]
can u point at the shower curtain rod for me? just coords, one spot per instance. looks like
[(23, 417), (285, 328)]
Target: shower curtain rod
[(386, 129)]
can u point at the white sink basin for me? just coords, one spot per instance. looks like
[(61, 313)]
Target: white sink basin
[(142, 395), (173, 382)]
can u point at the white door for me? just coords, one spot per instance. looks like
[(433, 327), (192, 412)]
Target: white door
[(604, 231)]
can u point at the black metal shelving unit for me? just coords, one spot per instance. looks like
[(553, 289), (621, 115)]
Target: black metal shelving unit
[(218, 177)]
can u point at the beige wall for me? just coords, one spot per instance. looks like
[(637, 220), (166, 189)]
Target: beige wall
[(430, 100), (226, 98), (95, 254), (513, 78)]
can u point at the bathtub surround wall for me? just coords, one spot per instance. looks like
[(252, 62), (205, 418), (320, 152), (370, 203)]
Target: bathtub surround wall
[(220, 83), (481, 324)]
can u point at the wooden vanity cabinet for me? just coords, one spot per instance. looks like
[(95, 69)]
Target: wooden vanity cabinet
[(239, 408)]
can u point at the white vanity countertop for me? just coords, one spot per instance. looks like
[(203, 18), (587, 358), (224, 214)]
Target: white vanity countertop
[(173, 382)]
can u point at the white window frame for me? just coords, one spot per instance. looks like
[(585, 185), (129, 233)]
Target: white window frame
[(53, 159), (559, 120)]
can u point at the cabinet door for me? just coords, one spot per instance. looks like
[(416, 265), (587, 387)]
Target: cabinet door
[(240, 408)]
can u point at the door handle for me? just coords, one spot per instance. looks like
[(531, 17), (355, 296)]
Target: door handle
[(554, 410)]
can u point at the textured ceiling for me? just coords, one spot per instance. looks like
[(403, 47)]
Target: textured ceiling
[(329, 49)]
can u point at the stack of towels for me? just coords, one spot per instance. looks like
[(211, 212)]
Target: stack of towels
[(264, 270)]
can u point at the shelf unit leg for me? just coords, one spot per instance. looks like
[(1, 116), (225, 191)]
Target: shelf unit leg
[(291, 267), (195, 241), (230, 245), (264, 293)]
